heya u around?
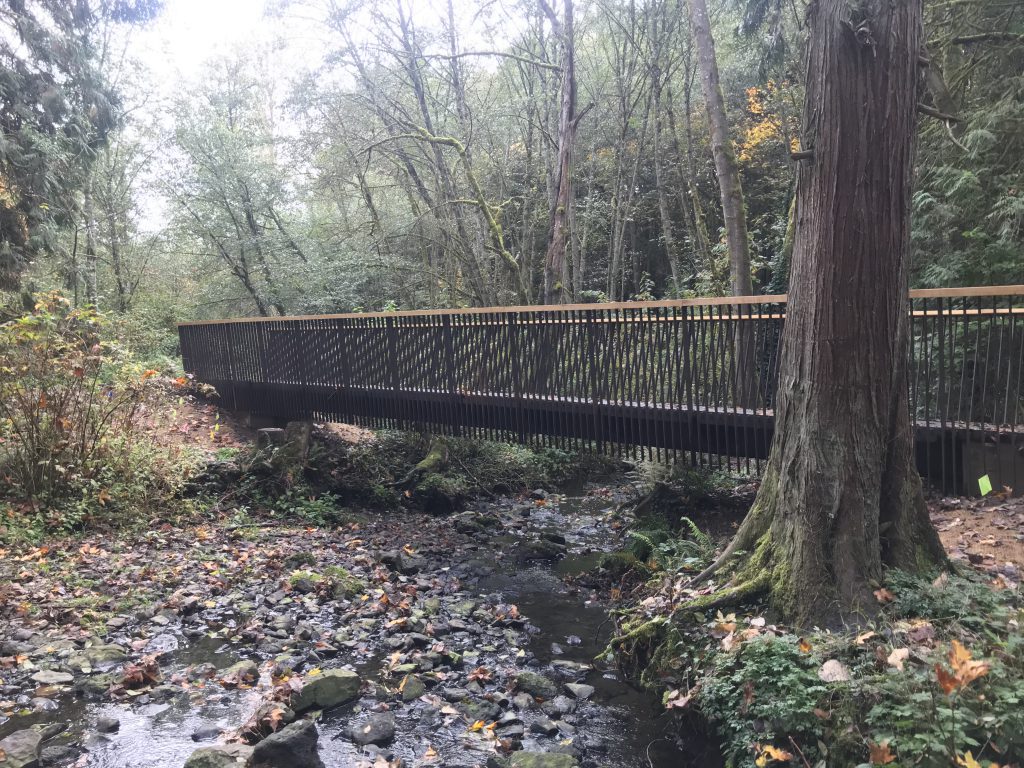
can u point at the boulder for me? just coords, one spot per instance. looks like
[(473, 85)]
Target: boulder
[(224, 756), (329, 689), (52, 677), (294, 746), (379, 729), (536, 685), (543, 760), (22, 749)]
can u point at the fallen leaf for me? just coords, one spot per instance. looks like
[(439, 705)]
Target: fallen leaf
[(880, 754), (833, 671), (768, 753), (897, 657), (884, 596), (963, 669)]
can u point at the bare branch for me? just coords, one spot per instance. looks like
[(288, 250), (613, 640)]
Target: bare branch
[(499, 54)]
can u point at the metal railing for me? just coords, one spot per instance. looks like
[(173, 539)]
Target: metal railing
[(692, 379)]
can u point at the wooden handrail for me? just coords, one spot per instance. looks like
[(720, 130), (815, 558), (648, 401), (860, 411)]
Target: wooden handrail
[(712, 301)]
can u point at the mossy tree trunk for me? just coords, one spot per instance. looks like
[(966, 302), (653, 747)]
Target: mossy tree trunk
[(841, 497)]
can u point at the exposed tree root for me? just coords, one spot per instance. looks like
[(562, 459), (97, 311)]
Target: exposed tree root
[(730, 595), (754, 528), (435, 460), (643, 631)]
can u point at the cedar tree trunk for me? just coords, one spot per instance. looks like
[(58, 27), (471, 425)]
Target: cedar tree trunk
[(841, 497)]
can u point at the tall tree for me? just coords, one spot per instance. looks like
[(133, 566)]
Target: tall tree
[(840, 496), (57, 108), (555, 274), (726, 167)]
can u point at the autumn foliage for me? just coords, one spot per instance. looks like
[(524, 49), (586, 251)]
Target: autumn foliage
[(71, 404)]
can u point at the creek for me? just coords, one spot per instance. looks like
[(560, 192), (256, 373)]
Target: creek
[(525, 556)]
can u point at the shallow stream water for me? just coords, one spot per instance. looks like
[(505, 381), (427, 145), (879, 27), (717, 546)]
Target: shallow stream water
[(568, 627)]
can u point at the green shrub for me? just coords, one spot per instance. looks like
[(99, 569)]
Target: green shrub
[(61, 399), (71, 401), (765, 690), (758, 685)]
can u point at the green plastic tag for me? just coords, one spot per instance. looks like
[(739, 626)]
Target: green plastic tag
[(985, 485)]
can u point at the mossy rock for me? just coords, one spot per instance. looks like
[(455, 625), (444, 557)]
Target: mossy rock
[(616, 564), (542, 760), (536, 685), (343, 582), (329, 689), (297, 560)]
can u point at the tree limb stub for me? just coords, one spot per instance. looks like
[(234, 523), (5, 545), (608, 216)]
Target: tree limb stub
[(932, 112)]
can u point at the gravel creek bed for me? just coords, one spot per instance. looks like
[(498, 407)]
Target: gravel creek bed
[(472, 643)]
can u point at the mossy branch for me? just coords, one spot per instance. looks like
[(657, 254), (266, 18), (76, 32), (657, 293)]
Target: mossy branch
[(494, 229)]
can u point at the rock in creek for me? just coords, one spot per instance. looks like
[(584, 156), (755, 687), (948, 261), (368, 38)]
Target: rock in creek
[(379, 729), (542, 760), (536, 685), (294, 746), (413, 688), (51, 677), (330, 689), (226, 756), (579, 690), (21, 749)]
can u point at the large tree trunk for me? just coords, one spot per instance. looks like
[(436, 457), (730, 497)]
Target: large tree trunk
[(841, 497)]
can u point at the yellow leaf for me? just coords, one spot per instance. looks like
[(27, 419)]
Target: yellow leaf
[(477, 726), (314, 672), (968, 761), (769, 753)]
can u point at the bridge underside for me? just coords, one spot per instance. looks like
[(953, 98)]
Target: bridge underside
[(950, 456)]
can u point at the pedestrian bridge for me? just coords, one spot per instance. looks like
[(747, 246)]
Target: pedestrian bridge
[(690, 379)]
